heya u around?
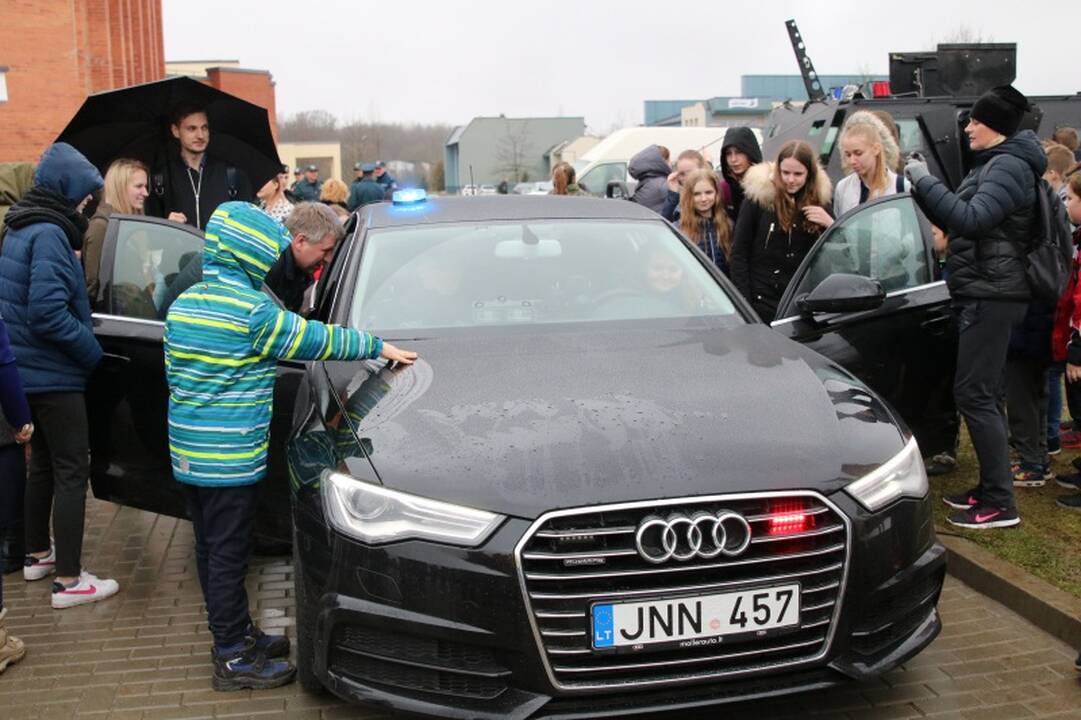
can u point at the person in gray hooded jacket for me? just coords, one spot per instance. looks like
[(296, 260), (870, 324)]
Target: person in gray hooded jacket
[(990, 222), (651, 170)]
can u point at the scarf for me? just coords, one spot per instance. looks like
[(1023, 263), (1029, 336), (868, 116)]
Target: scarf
[(42, 205)]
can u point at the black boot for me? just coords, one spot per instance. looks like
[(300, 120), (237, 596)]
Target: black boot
[(244, 666)]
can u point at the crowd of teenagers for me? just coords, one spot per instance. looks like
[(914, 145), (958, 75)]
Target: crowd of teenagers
[(50, 253), (755, 218)]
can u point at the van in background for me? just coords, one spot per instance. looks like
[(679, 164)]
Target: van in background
[(607, 161)]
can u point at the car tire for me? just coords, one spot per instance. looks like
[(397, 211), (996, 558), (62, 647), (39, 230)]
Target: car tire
[(304, 624)]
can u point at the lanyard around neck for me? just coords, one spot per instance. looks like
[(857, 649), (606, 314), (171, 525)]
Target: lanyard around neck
[(196, 190)]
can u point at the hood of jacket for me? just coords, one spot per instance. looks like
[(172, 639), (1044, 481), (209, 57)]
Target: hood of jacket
[(15, 180), (744, 140), (648, 163), (758, 185), (65, 171), (1024, 145), (242, 244)]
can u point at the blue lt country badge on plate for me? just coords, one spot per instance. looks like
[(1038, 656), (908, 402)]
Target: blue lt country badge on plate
[(603, 626)]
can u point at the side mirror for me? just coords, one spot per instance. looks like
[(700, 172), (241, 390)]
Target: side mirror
[(618, 190), (842, 292)]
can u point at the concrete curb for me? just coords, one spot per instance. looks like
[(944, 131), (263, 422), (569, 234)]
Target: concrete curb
[(1044, 605)]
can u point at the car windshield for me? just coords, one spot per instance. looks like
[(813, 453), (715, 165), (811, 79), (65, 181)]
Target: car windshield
[(512, 273)]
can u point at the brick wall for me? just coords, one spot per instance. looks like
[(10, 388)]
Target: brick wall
[(255, 86), (59, 51)]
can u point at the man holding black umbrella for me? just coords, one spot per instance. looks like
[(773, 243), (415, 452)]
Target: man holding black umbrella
[(192, 183)]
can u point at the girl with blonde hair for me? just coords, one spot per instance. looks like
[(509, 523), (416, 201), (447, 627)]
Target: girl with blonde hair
[(125, 192), (702, 216), (870, 152), (334, 192)]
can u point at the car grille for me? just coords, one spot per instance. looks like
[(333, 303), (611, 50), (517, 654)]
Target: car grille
[(562, 575)]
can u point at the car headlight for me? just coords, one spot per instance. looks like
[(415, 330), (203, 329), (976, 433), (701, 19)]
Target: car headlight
[(902, 476), (374, 514)]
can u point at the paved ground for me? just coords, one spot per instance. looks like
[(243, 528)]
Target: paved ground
[(145, 653)]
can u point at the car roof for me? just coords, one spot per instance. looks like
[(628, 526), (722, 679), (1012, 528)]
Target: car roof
[(439, 209)]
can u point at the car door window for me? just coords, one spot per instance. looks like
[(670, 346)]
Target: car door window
[(596, 180), (883, 241), (148, 268)]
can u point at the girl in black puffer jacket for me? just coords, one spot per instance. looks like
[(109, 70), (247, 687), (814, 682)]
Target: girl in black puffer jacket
[(786, 209)]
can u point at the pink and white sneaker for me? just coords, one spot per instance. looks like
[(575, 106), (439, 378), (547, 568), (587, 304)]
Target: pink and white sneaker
[(90, 588), (35, 568)]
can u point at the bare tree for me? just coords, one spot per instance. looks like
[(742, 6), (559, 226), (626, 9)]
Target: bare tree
[(513, 151), (310, 125), (961, 34), (864, 72), (363, 141)]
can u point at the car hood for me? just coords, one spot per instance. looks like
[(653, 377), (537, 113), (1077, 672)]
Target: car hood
[(521, 423)]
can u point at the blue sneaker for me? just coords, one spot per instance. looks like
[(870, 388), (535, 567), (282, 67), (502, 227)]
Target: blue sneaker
[(242, 666)]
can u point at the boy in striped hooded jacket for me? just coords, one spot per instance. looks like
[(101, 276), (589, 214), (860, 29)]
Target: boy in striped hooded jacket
[(223, 338)]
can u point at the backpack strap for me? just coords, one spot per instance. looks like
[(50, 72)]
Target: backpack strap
[(230, 176), (900, 183)]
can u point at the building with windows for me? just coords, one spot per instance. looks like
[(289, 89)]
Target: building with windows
[(759, 94), (489, 150)]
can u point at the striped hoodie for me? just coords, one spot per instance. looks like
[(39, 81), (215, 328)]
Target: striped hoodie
[(223, 338)]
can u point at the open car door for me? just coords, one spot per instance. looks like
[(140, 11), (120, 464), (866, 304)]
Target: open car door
[(866, 297), (142, 267)]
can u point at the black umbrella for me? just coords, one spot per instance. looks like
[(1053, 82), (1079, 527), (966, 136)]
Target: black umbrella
[(133, 122)]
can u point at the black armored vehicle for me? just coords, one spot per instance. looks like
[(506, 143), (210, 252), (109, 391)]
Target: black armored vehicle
[(929, 95)]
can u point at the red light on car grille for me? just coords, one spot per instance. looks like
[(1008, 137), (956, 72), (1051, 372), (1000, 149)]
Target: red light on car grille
[(880, 88), (789, 519)]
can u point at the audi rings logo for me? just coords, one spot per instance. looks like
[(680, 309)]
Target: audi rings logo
[(702, 535)]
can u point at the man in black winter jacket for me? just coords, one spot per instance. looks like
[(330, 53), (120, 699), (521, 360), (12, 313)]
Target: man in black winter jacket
[(739, 151), (192, 183), (990, 221)]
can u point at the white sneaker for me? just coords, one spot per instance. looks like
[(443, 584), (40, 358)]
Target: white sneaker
[(90, 588), (37, 568)]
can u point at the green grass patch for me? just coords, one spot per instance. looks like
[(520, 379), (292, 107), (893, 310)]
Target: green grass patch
[(1047, 543)]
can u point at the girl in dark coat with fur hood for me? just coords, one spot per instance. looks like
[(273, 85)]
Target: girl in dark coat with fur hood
[(786, 209)]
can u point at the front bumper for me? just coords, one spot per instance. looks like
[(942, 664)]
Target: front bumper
[(445, 632)]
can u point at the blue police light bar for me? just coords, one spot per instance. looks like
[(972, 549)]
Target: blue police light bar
[(409, 196)]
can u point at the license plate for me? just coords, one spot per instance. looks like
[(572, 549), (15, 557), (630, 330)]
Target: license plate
[(700, 619)]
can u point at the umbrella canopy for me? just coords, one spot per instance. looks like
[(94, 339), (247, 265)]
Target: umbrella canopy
[(134, 122)]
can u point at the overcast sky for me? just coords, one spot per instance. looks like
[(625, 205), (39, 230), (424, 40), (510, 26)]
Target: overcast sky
[(430, 61)]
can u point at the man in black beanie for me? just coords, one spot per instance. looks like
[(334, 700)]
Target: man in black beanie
[(990, 222)]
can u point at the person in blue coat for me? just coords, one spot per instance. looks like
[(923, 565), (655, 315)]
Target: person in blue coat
[(43, 300)]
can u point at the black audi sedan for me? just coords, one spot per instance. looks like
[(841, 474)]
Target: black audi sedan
[(606, 488)]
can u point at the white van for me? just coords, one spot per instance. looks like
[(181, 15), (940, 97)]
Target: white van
[(607, 160)]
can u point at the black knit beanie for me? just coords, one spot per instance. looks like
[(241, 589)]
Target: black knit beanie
[(1001, 109)]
